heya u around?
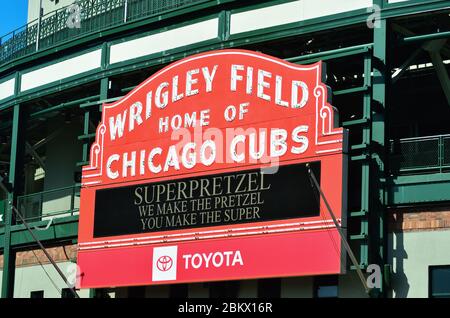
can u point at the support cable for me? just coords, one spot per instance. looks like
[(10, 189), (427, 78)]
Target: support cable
[(46, 273), (72, 290), (335, 244), (347, 247)]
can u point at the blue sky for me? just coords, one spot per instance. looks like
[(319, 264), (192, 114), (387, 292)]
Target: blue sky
[(13, 14)]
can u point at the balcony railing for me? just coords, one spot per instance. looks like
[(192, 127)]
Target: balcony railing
[(420, 155), (95, 15), (50, 204)]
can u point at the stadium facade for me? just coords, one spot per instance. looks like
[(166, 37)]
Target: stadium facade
[(386, 63)]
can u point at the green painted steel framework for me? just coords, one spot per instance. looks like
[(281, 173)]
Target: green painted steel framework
[(370, 153)]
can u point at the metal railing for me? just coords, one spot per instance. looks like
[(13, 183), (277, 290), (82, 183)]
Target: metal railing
[(420, 155), (94, 15), (49, 204)]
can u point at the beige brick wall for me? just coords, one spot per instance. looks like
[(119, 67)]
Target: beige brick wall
[(419, 219), (57, 253)]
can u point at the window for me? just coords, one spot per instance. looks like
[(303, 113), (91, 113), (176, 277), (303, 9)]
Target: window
[(269, 288), (439, 281), (136, 292), (326, 286), (66, 293), (226, 289), (178, 291), (37, 294)]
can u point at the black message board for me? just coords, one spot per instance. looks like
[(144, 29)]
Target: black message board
[(221, 199)]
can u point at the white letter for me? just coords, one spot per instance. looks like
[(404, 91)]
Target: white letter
[(305, 94), (249, 86), (142, 163), (176, 122), (163, 124), (204, 117), (278, 97), (233, 150), (172, 159), (277, 141), (215, 262), (161, 104), (199, 263), (300, 139), (207, 258), (118, 127), (148, 105), (262, 145), (189, 119), (175, 95), (227, 115), (243, 110), (262, 84), (129, 164), (238, 259), (234, 76), (135, 115), (208, 144), (151, 155), (209, 77), (191, 81), (227, 257), (112, 174), (187, 160), (186, 260)]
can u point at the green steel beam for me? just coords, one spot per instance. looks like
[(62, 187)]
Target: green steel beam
[(365, 165), (358, 213), (424, 37), (356, 237), (351, 90), (88, 136), (331, 54), (411, 7), (425, 188), (378, 239), (85, 154), (355, 122), (99, 102), (104, 89), (15, 170), (360, 157), (62, 106), (363, 146), (61, 229)]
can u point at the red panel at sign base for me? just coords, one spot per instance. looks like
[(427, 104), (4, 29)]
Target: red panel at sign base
[(200, 174)]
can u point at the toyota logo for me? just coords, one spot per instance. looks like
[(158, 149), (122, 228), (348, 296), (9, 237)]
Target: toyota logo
[(164, 263)]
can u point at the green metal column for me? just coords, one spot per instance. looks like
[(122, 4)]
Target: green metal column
[(16, 179), (104, 87), (86, 133), (378, 241)]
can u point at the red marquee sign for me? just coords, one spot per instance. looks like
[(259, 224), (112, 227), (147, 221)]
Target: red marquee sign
[(198, 174)]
